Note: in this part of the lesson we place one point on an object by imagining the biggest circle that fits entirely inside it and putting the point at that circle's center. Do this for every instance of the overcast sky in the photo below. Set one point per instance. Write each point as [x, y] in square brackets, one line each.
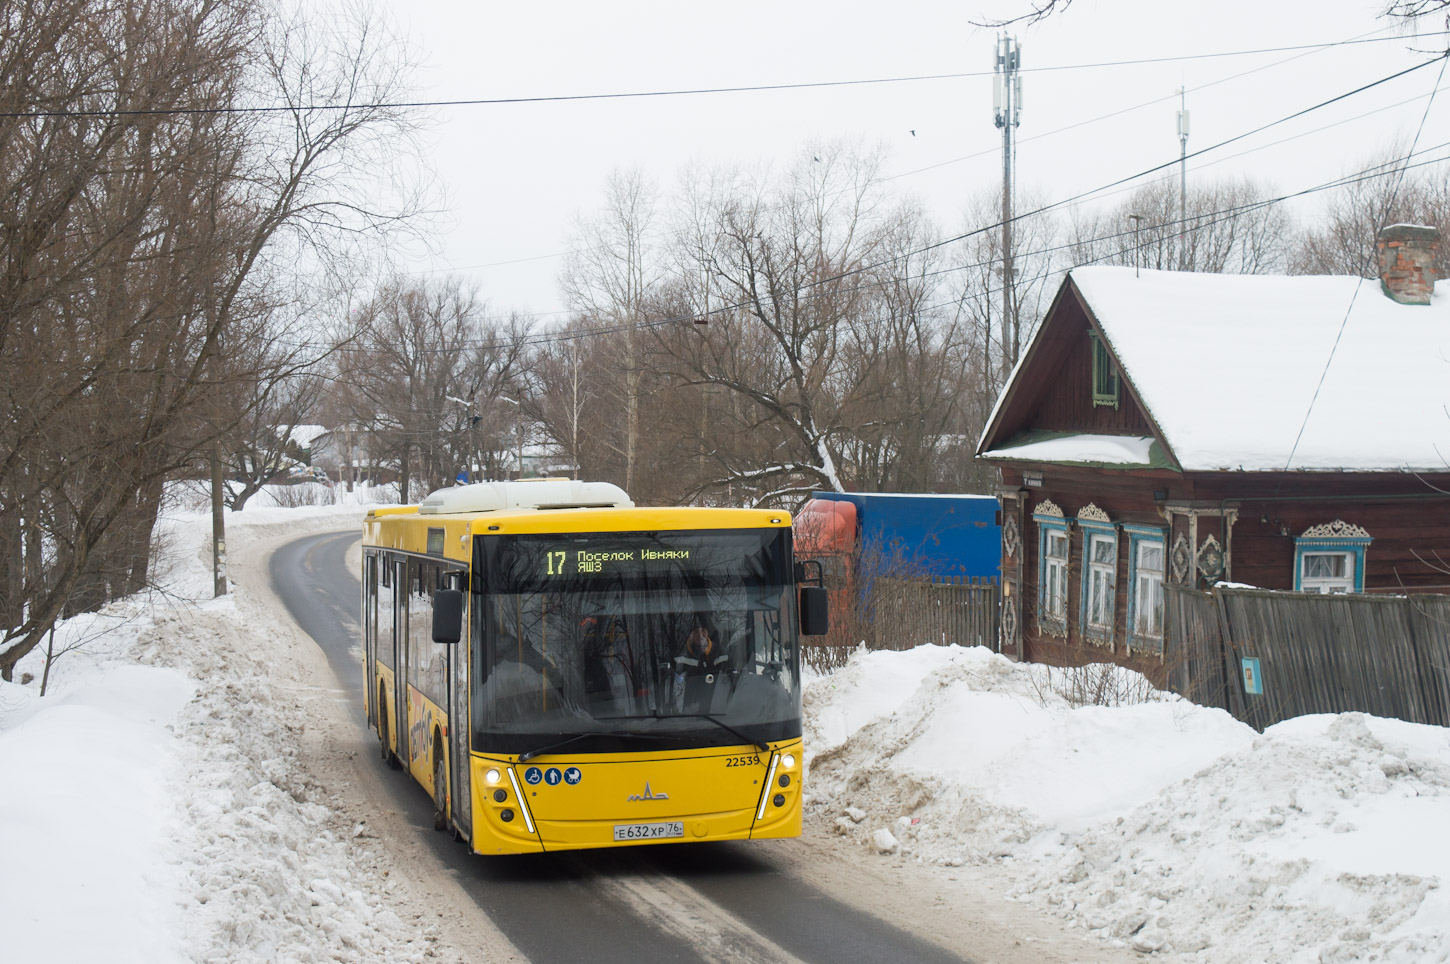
[515, 177]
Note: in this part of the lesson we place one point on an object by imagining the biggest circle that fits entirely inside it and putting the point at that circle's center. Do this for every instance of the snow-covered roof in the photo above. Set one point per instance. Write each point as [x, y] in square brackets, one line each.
[1228, 366]
[305, 435]
[1128, 451]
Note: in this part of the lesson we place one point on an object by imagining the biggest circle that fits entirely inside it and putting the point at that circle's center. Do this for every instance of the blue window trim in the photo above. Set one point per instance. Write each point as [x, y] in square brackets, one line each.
[1354, 545]
[1046, 524]
[1138, 534]
[1090, 528]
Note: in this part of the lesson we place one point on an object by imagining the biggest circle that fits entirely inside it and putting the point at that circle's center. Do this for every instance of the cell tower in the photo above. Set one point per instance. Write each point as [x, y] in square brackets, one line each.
[1007, 112]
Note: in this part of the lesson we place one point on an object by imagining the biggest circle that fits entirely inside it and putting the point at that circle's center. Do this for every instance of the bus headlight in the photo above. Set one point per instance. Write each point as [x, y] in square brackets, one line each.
[788, 761]
[492, 776]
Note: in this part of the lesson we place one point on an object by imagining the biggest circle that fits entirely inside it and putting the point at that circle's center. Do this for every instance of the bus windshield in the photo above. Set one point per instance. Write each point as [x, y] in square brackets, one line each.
[620, 641]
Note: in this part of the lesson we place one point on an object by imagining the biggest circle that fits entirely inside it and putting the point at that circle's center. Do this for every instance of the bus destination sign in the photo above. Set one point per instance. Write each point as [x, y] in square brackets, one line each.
[569, 562]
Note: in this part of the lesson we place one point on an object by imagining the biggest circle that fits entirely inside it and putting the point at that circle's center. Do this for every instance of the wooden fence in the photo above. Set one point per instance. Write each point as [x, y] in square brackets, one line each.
[1383, 655]
[908, 612]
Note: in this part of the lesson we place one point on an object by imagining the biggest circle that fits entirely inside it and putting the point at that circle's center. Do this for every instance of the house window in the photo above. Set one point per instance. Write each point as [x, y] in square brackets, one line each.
[1330, 558]
[1099, 573]
[1147, 559]
[1326, 572]
[1105, 374]
[1052, 596]
[1100, 597]
[1055, 586]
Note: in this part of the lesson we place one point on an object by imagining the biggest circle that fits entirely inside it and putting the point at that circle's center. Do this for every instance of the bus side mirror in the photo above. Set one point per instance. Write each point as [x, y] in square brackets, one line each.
[447, 616]
[815, 611]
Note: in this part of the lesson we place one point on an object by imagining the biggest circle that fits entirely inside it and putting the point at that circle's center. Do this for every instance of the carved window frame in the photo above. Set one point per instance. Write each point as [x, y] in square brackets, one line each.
[1096, 526]
[1138, 536]
[1050, 521]
[1336, 538]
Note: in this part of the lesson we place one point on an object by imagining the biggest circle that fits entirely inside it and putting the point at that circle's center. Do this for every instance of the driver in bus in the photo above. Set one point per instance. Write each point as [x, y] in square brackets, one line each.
[696, 668]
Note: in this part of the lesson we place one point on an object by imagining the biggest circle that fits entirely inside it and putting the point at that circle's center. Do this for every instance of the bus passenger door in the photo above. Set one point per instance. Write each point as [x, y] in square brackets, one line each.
[459, 722]
[400, 659]
[370, 638]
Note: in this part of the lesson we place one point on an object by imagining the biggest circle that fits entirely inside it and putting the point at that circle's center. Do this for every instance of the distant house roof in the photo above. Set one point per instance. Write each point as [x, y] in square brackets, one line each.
[1227, 367]
[305, 435]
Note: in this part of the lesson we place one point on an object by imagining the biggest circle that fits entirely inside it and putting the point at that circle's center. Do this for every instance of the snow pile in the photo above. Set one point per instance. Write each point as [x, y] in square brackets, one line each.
[86, 774]
[191, 497]
[164, 804]
[1158, 824]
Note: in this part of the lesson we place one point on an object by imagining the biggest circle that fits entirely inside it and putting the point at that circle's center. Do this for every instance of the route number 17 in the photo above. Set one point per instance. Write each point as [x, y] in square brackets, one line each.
[556, 563]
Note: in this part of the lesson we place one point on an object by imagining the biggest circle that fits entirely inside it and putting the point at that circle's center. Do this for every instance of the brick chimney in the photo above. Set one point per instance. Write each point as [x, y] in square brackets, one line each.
[1407, 262]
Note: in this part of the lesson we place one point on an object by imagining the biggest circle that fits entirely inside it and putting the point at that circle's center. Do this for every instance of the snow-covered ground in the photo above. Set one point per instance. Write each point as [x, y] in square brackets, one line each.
[154, 808]
[1159, 824]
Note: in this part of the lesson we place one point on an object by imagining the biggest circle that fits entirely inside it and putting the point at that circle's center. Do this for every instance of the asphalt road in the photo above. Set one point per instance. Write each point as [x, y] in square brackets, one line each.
[665, 903]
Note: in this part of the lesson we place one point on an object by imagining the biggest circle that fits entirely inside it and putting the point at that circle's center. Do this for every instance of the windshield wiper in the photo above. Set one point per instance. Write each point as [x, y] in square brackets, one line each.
[763, 747]
[528, 755]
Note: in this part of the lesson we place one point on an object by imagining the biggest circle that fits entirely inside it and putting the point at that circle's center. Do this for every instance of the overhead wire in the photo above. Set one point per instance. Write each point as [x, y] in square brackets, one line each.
[1105, 189]
[1308, 49]
[680, 92]
[1389, 206]
[1202, 222]
[1044, 208]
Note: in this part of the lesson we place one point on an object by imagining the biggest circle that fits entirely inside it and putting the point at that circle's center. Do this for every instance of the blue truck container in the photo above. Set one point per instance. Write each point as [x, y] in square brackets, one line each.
[935, 535]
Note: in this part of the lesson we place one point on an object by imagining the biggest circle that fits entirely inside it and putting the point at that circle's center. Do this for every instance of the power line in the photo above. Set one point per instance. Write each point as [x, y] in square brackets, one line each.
[680, 92]
[1361, 38]
[1394, 195]
[1016, 217]
[1309, 48]
[1201, 223]
[1214, 218]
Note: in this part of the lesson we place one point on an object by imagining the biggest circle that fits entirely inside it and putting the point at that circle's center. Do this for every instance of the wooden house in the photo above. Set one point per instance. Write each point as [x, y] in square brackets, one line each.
[1175, 428]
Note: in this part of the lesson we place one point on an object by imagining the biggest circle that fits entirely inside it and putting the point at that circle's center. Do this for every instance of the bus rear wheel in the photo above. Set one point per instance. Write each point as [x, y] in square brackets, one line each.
[440, 787]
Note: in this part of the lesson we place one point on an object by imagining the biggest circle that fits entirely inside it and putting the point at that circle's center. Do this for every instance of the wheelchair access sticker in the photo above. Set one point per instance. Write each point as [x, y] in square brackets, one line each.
[533, 775]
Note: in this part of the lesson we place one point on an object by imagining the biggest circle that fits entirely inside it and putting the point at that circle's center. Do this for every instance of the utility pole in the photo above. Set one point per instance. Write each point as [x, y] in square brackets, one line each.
[218, 524]
[1182, 178]
[518, 428]
[1007, 113]
[1137, 220]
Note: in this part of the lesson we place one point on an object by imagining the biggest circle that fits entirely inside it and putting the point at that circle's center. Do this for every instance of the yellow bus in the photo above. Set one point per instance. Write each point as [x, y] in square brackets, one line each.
[561, 669]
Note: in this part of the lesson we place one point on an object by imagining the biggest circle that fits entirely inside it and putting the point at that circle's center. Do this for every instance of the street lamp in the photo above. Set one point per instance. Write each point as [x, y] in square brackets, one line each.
[473, 421]
[518, 428]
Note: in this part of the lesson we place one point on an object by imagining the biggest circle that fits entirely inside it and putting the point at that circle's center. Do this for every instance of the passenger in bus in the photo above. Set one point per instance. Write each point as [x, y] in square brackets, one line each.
[609, 665]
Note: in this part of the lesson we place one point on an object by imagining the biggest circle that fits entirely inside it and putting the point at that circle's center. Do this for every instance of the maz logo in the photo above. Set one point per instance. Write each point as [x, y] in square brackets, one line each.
[648, 794]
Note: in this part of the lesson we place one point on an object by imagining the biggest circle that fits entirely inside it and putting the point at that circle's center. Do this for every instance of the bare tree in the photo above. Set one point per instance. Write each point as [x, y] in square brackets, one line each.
[998, 341]
[612, 270]
[142, 222]
[790, 264]
[262, 444]
[425, 374]
[1380, 192]
[1230, 227]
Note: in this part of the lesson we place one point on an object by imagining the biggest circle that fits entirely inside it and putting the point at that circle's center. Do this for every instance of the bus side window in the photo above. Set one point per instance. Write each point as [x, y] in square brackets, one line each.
[383, 617]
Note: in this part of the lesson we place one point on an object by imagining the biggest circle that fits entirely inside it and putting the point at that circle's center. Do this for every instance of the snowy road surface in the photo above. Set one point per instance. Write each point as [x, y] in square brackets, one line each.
[719, 902]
